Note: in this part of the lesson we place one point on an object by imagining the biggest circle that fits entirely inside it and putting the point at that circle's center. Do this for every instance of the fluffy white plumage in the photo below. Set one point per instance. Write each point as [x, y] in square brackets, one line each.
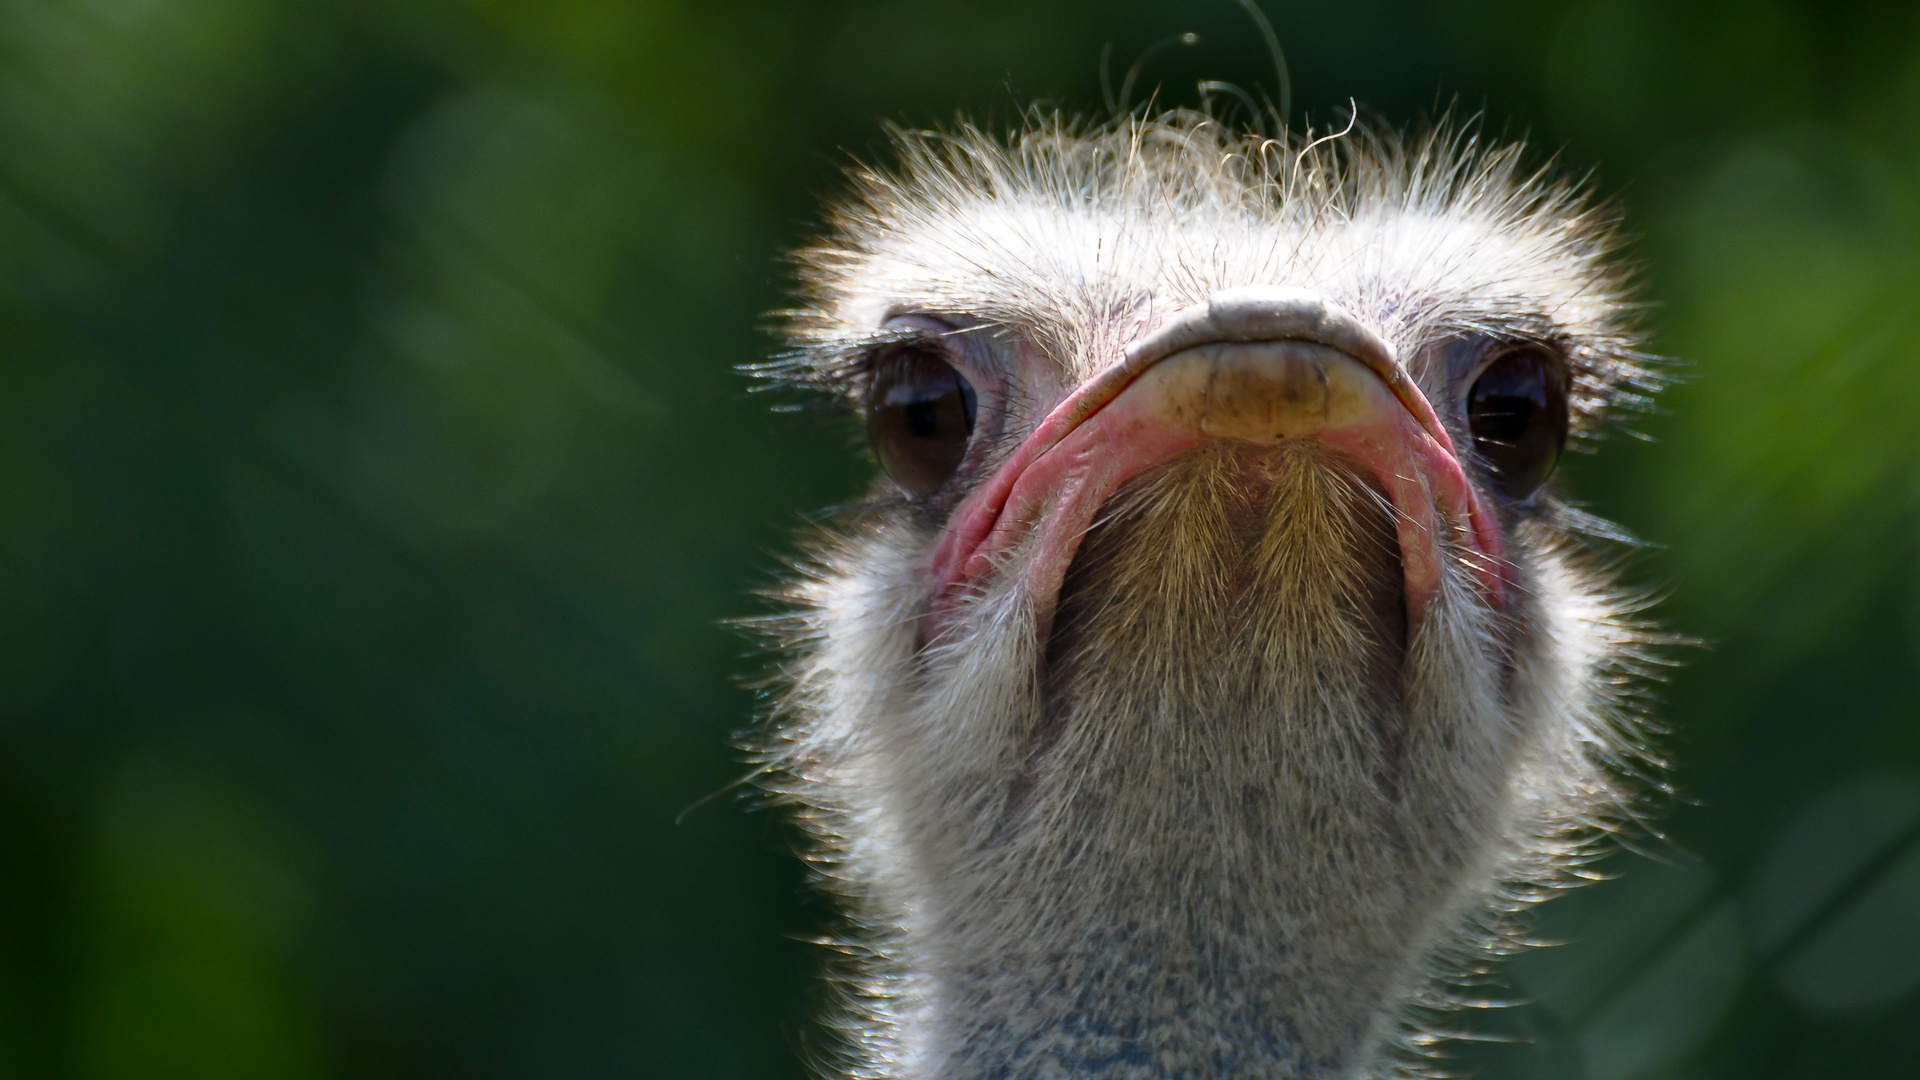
[1218, 814]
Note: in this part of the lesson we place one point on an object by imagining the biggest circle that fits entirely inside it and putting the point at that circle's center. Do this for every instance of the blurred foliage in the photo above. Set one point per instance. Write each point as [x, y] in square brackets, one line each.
[373, 481]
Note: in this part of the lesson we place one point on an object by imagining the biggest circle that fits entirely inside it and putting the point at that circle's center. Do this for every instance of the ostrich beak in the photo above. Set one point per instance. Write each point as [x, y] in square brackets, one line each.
[1256, 365]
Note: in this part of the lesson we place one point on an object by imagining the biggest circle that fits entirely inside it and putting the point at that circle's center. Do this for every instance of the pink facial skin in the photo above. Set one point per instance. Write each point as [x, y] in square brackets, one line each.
[1258, 364]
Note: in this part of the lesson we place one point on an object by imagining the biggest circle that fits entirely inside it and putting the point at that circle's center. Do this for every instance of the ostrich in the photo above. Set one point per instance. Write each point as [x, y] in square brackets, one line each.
[1211, 672]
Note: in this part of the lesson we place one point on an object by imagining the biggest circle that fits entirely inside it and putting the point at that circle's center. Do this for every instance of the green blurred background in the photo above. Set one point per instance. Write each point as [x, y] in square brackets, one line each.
[374, 480]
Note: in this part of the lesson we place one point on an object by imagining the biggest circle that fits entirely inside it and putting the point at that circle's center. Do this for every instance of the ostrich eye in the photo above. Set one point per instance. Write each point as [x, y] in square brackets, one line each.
[1517, 412]
[919, 419]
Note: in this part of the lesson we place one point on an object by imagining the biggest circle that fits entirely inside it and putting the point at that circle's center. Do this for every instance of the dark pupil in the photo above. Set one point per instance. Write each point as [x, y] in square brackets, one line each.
[923, 417]
[919, 420]
[1518, 415]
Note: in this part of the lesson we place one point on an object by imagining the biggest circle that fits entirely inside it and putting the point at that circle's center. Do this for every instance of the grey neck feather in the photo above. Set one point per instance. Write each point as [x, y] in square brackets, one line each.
[1219, 859]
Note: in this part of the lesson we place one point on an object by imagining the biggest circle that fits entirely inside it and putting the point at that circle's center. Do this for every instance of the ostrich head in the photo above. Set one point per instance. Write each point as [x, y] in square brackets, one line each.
[1209, 666]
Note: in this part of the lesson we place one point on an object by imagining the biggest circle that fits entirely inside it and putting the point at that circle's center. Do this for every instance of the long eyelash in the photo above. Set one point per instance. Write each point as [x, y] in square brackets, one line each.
[834, 372]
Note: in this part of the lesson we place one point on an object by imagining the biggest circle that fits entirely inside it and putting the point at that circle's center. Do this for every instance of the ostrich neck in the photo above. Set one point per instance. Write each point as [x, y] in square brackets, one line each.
[1235, 832]
[1217, 915]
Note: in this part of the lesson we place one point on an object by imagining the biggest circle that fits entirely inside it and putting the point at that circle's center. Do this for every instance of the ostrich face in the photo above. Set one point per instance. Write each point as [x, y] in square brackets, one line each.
[1208, 656]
